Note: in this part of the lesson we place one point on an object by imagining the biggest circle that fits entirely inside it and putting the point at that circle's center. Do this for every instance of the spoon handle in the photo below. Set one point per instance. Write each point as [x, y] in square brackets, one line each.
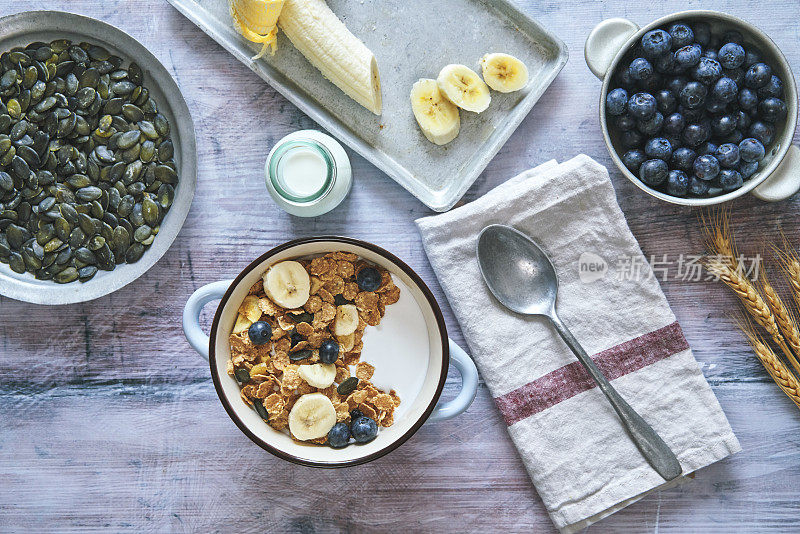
[655, 451]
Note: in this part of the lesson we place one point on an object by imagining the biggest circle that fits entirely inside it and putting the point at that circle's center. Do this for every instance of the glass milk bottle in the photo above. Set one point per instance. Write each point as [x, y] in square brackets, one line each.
[308, 173]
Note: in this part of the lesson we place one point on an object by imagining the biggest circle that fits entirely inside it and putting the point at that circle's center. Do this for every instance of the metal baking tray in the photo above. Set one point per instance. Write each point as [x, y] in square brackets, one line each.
[411, 39]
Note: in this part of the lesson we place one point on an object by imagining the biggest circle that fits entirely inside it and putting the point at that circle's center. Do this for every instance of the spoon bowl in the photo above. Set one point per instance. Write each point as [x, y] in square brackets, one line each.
[518, 273]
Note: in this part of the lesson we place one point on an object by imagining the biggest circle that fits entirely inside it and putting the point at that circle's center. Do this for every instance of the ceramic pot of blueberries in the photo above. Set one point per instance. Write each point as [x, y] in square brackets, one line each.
[697, 108]
[329, 351]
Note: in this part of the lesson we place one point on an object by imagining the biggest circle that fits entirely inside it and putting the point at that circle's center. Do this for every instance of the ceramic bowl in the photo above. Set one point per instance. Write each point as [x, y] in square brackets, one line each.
[778, 176]
[409, 349]
[23, 28]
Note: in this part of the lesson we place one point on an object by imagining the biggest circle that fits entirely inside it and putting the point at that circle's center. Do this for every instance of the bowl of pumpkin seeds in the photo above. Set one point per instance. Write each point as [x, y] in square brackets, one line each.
[97, 158]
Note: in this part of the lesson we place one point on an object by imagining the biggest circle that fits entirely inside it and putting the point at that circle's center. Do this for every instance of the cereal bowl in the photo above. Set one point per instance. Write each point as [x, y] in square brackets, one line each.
[409, 349]
[778, 175]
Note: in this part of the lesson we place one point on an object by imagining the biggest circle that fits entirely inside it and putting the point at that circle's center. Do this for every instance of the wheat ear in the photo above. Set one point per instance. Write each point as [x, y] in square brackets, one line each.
[780, 374]
[785, 320]
[790, 264]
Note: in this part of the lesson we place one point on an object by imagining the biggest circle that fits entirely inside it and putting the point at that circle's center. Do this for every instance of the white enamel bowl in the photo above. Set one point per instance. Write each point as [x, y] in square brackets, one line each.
[409, 349]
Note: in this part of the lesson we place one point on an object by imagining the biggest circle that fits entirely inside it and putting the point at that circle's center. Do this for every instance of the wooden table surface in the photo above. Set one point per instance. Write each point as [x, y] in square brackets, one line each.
[109, 420]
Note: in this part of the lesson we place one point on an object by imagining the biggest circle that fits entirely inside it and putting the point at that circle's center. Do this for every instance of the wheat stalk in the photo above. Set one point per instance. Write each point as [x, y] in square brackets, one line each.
[717, 232]
[790, 264]
[772, 363]
[785, 320]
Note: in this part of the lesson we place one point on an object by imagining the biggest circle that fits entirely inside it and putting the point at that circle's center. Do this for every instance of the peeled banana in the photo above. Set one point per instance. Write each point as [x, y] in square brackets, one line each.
[346, 320]
[287, 283]
[338, 54]
[312, 416]
[464, 88]
[504, 73]
[257, 21]
[438, 118]
[319, 375]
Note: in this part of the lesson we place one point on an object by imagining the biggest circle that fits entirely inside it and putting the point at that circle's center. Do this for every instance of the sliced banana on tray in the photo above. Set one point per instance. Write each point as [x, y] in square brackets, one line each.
[312, 416]
[287, 283]
[346, 320]
[319, 375]
[438, 118]
[504, 73]
[464, 88]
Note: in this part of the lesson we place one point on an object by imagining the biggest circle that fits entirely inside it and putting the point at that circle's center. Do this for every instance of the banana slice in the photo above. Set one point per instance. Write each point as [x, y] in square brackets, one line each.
[242, 324]
[504, 73]
[346, 320]
[319, 375]
[250, 309]
[287, 284]
[312, 416]
[438, 118]
[464, 88]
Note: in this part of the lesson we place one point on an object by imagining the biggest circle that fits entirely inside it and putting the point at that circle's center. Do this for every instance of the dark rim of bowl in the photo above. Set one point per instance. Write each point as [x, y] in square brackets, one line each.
[790, 123]
[386, 255]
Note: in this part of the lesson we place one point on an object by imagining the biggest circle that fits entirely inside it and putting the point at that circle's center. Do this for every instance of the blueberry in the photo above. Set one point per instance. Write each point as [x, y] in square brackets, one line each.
[683, 159]
[674, 124]
[747, 99]
[677, 183]
[693, 95]
[681, 34]
[702, 32]
[706, 167]
[731, 55]
[667, 64]
[732, 36]
[642, 106]
[676, 84]
[707, 71]
[656, 43]
[757, 75]
[691, 115]
[260, 332]
[699, 187]
[658, 148]
[772, 109]
[625, 123]
[328, 351]
[735, 137]
[652, 125]
[339, 436]
[751, 55]
[729, 180]
[709, 53]
[763, 131]
[688, 56]
[707, 148]
[631, 139]
[653, 172]
[364, 429]
[624, 79]
[728, 155]
[715, 107]
[666, 101]
[774, 87]
[695, 134]
[640, 69]
[751, 150]
[737, 75]
[725, 90]
[633, 159]
[742, 120]
[368, 279]
[616, 101]
[748, 168]
[651, 84]
[355, 414]
[723, 125]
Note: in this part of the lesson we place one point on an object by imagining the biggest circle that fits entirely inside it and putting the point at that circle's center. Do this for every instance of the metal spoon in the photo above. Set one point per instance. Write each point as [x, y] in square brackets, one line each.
[521, 277]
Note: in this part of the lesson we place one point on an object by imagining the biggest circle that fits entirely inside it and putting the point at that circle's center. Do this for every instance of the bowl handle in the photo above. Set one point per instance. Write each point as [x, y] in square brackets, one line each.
[605, 41]
[191, 314]
[784, 181]
[469, 386]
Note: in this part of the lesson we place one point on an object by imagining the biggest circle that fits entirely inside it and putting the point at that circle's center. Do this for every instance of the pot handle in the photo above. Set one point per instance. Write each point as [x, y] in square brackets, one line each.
[191, 314]
[605, 41]
[784, 181]
[469, 386]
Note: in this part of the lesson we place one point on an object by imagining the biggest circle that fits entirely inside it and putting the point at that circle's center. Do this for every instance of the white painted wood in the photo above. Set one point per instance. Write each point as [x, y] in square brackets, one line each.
[109, 420]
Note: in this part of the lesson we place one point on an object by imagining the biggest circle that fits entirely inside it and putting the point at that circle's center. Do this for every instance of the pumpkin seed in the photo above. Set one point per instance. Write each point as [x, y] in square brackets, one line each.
[260, 410]
[347, 386]
[300, 355]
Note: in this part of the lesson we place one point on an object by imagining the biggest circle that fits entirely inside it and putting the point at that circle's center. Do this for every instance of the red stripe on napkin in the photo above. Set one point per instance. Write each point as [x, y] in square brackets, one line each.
[568, 381]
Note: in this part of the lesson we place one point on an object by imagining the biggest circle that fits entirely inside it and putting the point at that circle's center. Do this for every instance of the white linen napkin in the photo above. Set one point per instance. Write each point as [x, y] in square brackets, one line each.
[575, 449]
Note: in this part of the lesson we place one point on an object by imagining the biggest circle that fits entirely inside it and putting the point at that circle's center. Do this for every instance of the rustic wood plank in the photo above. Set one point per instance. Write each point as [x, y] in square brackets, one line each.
[110, 422]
